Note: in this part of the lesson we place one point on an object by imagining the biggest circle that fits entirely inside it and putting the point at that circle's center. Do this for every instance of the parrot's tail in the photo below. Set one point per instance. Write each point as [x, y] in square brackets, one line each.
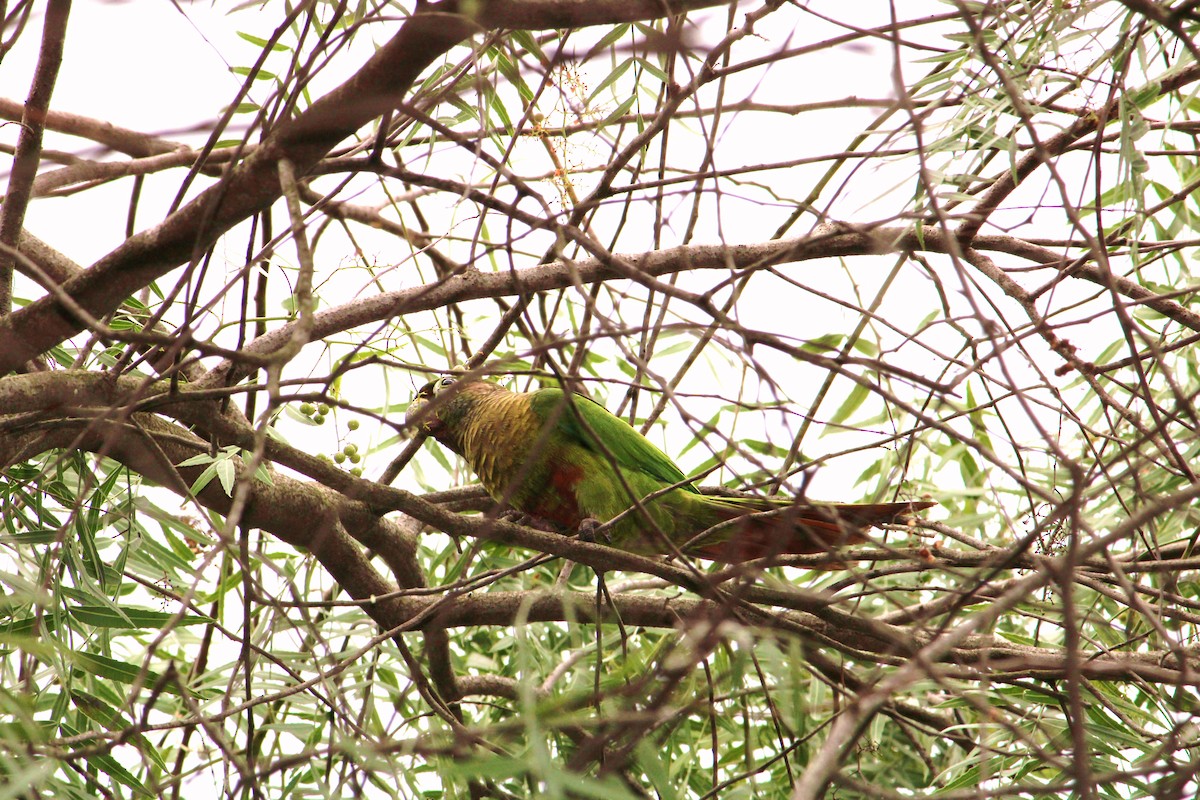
[758, 528]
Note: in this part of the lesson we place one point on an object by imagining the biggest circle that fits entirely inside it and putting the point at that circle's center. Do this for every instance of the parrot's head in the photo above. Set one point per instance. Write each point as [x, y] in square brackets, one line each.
[442, 406]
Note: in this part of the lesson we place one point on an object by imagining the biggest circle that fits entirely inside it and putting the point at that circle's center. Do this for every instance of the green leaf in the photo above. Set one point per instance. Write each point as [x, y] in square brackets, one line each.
[824, 343]
[110, 766]
[610, 79]
[654, 71]
[851, 404]
[113, 720]
[126, 617]
[620, 110]
[119, 671]
[259, 42]
[651, 763]
[32, 537]
[259, 75]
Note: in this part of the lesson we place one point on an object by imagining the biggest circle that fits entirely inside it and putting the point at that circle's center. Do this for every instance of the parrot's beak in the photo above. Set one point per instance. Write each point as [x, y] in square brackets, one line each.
[419, 416]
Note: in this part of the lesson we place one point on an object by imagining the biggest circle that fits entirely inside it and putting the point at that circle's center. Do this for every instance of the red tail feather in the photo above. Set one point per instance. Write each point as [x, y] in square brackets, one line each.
[803, 530]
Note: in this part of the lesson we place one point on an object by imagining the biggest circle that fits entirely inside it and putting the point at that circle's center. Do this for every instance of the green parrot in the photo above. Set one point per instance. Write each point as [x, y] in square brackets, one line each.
[565, 460]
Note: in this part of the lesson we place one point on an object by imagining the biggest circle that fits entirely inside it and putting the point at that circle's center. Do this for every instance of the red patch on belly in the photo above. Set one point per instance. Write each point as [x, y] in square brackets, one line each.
[556, 500]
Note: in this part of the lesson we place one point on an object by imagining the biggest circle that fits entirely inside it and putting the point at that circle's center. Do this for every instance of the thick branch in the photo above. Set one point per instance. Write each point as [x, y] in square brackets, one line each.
[253, 185]
[123, 140]
[250, 187]
[29, 143]
[547, 14]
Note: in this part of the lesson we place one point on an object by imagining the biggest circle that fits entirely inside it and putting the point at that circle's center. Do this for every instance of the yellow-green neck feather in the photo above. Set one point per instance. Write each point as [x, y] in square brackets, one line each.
[493, 429]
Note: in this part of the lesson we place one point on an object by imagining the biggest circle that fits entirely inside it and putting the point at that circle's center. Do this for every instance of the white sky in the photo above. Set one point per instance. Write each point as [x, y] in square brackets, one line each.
[147, 66]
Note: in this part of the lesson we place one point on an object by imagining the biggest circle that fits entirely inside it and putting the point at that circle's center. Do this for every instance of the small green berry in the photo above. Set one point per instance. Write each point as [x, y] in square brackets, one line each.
[307, 409]
[355, 458]
[352, 424]
[339, 457]
[350, 449]
[356, 472]
[323, 409]
[319, 419]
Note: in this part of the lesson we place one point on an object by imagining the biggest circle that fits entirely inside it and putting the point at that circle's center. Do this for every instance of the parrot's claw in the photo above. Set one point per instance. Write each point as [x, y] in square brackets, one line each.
[588, 528]
[515, 517]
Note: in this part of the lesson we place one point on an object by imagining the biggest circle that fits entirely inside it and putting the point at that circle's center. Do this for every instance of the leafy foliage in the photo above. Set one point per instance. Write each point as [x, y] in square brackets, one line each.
[807, 249]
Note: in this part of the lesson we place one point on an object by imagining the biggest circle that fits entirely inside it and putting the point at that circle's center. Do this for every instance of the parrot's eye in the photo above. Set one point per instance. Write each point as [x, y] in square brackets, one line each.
[427, 391]
[434, 388]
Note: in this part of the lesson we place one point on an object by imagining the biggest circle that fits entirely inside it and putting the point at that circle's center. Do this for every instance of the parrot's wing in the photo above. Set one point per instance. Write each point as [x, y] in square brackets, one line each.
[591, 425]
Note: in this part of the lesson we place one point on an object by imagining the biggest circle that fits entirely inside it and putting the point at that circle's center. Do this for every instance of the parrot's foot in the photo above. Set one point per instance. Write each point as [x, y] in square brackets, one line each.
[588, 531]
[515, 517]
